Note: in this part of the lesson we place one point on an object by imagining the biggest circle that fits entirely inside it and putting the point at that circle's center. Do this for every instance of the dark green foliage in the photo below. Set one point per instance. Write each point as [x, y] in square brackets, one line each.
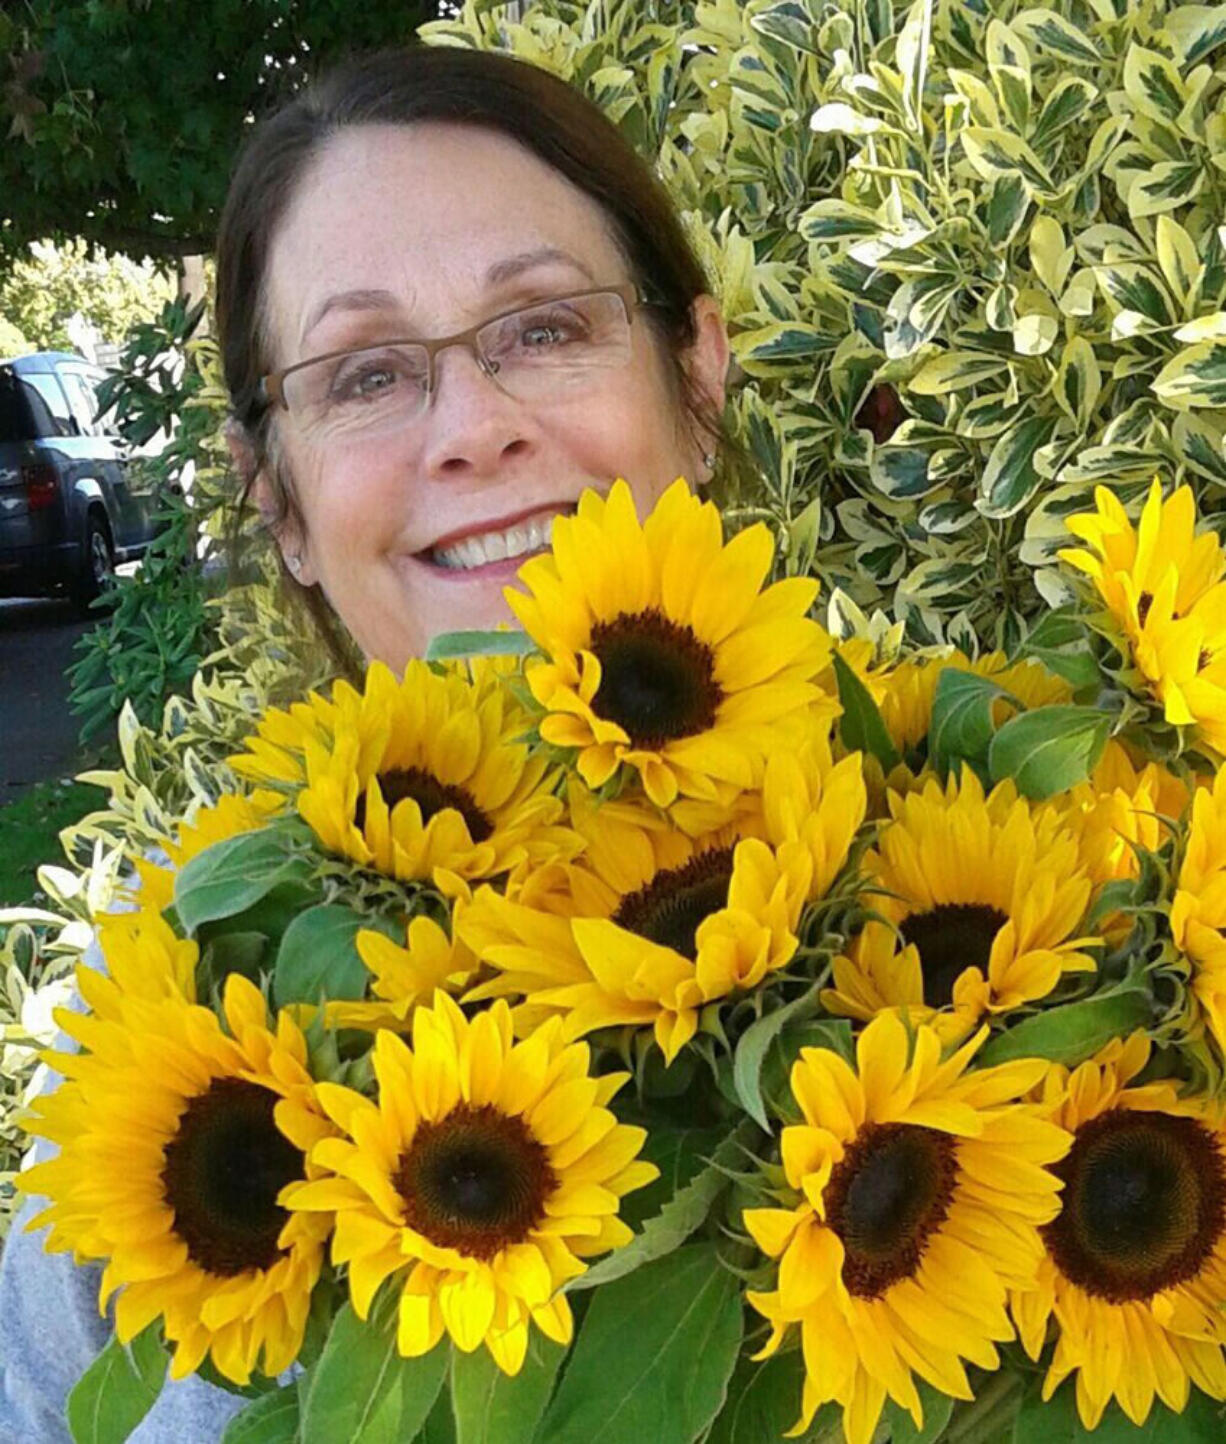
[124, 116]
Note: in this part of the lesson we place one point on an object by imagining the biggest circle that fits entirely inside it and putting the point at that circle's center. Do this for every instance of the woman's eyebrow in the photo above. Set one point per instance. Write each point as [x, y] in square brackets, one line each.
[498, 275]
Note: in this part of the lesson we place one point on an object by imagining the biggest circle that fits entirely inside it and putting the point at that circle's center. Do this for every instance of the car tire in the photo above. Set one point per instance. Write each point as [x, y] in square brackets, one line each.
[96, 570]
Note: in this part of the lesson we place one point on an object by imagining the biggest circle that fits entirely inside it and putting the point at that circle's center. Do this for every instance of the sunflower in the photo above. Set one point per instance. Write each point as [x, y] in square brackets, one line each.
[276, 753]
[653, 924]
[483, 1177]
[664, 653]
[1160, 566]
[981, 898]
[175, 1139]
[1185, 662]
[426, 778]
[1163, 589]
[1198, 912]
[1134, 1268]
[920, 1187]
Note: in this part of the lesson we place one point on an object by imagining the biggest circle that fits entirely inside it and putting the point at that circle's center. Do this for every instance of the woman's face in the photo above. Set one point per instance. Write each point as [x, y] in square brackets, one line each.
[415, 219]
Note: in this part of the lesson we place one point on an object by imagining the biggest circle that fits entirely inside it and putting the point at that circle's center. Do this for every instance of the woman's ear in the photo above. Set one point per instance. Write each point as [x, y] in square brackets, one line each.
[293, 548]
[707, 358]
[706, 365]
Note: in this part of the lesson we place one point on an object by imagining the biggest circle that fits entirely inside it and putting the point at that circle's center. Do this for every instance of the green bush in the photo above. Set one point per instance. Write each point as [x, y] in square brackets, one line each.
[972, 258]
[156, 627]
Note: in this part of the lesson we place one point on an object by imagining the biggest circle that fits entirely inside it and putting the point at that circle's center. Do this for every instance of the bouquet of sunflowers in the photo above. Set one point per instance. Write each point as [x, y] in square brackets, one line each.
[680, 1022]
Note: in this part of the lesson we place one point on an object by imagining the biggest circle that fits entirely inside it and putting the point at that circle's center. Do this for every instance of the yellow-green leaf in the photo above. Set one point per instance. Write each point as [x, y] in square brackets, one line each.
[1052, 32]
[954, 371]
[1009, 68]
[1153, 84]
[1195, 377]
[1035, 333]
[996, 153]
[838, 118]
[1204, 328]
[1049, 255]
[1180, 263]
[1196, 29]
[1168, 184]
[984, 110]
[1078, 381]
[1009, 479]
[1066, 102]
[1007, 206]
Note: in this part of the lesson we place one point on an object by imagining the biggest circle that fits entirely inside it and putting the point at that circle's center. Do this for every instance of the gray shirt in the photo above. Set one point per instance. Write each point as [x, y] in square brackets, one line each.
[51, 1331]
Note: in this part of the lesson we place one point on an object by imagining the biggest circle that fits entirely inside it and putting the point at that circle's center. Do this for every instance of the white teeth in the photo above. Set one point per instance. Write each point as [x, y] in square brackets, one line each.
[496, 546]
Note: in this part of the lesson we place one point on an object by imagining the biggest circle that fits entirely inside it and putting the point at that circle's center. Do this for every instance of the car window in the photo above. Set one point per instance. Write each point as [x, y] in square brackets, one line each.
[84, 402]
[18, 420]
[46, 411]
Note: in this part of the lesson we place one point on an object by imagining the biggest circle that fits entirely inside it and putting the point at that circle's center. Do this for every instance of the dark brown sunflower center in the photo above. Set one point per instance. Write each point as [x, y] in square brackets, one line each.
[657, 680]
[430, 795]
[1144, 1204]
[224, 1168]
[670, 908]
[476, 1181]
[951, 937]
[885, 1199]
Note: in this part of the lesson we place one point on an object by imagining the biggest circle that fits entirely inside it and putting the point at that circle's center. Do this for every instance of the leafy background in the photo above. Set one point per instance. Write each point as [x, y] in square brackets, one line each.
[973, 262]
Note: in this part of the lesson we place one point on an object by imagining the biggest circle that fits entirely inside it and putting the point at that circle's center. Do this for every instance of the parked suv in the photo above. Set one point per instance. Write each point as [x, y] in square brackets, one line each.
[67, 512]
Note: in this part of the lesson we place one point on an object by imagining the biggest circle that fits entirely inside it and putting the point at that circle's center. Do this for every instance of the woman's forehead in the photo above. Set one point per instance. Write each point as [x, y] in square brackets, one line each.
[436, 217]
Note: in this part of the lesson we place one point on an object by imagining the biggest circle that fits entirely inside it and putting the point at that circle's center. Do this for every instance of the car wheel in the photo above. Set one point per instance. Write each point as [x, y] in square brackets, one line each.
[97, 566]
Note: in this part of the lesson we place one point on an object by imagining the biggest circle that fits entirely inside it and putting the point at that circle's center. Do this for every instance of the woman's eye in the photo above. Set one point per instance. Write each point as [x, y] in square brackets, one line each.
[372, 378]
[544, 332]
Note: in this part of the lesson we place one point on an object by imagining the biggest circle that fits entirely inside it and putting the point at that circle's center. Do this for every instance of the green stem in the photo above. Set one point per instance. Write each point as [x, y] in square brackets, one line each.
[996, 1402]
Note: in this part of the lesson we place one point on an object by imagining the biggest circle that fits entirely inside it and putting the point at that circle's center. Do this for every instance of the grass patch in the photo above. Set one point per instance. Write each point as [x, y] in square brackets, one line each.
[29, 829]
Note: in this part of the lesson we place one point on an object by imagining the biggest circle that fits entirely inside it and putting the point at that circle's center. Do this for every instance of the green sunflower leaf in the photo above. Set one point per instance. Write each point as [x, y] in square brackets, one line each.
[118, 1389]
[271, 1419]
[752, 1049]
[449, 646]
[1203, 1421]
[937, 1410]
[1049, 749]
[686, 1210]
[1072, 1032]
[318, 957]
[962, 724]
[654, 1355]
[362, 1390]
[763, 1400]
[490, 1407]
[861, 726]
[235, 874]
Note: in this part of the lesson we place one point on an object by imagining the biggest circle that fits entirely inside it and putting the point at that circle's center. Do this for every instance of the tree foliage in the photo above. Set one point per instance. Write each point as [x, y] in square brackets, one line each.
[41, 291]
[125, 115]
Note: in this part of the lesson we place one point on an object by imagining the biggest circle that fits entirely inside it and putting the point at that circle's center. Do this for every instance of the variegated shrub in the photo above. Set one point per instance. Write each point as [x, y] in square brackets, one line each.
[972, 256]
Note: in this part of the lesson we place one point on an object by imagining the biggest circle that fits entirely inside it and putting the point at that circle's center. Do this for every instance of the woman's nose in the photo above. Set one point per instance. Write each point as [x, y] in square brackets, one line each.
[470, 423]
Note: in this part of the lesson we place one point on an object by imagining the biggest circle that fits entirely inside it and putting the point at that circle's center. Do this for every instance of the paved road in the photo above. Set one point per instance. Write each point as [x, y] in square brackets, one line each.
[38, 734]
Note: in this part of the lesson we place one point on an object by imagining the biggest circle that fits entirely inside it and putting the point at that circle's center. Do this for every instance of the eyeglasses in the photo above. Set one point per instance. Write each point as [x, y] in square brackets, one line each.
[531, 354]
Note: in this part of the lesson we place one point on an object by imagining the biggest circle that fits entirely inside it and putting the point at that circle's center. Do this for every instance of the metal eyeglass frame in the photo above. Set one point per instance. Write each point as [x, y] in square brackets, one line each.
[272, 386]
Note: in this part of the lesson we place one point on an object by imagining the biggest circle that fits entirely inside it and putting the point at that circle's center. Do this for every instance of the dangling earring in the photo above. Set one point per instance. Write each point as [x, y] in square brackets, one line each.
[294, 563]
[708, 460]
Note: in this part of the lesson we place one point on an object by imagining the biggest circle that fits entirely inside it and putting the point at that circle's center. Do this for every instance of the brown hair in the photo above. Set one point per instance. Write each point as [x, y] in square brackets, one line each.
[402, 87]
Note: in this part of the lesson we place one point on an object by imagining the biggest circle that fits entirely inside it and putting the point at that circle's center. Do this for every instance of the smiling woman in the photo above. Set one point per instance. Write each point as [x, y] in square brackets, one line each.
[450, 298]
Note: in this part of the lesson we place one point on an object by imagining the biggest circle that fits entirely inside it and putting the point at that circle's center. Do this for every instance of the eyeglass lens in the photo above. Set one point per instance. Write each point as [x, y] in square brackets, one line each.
[532, 354]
